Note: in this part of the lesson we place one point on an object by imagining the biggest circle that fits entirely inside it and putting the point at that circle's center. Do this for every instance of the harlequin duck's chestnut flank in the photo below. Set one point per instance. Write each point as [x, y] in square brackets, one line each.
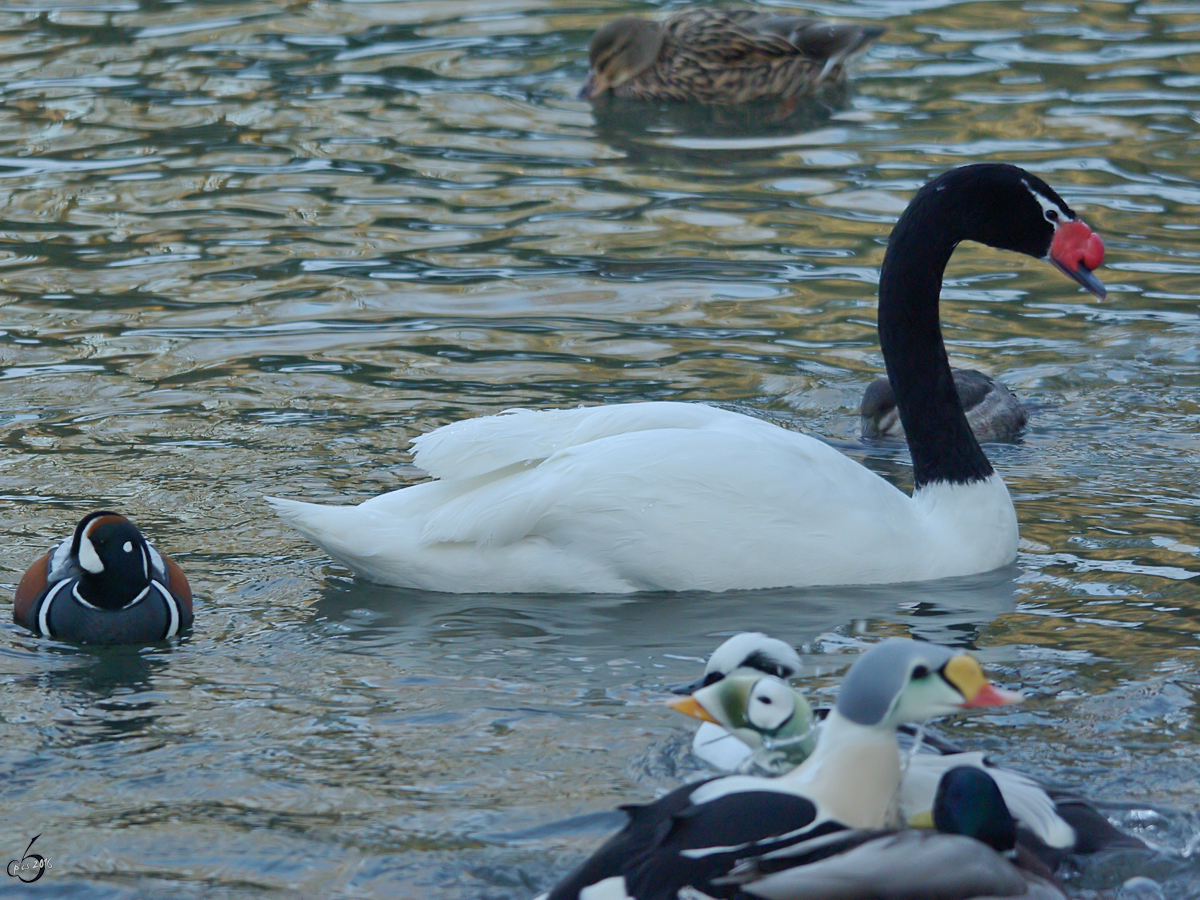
[106, 584]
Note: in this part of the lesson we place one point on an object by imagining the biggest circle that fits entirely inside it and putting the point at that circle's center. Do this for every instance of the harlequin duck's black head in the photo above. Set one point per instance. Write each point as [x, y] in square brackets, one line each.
[114, 560]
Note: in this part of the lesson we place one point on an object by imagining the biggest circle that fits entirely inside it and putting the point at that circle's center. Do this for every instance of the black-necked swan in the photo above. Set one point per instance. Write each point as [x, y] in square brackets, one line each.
[993, 411]
[670, 496]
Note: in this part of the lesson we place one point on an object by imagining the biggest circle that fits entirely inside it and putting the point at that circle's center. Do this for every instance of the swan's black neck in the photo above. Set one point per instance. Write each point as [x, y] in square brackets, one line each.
[942, 444]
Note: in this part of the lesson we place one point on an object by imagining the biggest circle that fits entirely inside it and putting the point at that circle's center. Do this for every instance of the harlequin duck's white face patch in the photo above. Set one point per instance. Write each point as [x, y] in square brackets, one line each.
[89, 556]
[89, 559]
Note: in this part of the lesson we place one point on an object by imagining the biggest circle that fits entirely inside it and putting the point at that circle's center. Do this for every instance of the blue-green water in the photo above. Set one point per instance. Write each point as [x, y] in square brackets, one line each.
[256, 247]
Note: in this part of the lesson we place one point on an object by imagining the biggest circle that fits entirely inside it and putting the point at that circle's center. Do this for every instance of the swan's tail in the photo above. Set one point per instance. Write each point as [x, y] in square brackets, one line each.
[387, 549]
[375, 546]
[332, 528]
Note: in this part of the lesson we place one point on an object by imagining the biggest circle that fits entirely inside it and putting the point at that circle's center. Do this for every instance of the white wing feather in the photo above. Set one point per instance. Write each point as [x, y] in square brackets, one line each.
[652, 496]
[475, 447]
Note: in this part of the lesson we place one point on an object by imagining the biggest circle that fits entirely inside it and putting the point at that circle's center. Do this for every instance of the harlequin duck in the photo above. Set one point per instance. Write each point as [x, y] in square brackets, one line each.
[106, 584]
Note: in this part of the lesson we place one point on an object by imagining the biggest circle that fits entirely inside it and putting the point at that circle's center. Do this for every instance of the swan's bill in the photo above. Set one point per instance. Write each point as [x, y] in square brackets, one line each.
[1075, 251]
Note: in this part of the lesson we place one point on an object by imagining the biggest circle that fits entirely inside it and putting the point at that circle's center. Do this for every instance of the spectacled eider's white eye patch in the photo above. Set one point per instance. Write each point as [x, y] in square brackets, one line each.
[771, 705]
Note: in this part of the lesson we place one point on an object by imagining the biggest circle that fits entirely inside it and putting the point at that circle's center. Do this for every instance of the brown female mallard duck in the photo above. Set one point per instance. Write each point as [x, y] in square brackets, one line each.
[720, 56]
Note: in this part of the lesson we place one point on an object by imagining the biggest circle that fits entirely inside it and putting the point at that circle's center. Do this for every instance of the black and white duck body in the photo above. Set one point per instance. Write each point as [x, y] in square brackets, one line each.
[746, 653]
[685, 843]
[667, 496]
[973, 855]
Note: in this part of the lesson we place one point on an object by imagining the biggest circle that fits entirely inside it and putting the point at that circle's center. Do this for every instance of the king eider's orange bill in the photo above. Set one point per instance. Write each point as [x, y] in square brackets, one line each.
[965, 674]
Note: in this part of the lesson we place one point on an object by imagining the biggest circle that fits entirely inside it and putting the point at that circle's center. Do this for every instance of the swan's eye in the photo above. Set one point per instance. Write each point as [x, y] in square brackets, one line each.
[1052, 216]
[920, 672]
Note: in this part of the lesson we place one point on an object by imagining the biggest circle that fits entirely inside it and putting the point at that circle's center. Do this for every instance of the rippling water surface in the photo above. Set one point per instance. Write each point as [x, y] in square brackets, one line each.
[256, 247]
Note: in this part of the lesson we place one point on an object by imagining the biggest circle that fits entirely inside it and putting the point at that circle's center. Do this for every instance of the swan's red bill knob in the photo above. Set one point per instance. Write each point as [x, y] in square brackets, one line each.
[1075, 251]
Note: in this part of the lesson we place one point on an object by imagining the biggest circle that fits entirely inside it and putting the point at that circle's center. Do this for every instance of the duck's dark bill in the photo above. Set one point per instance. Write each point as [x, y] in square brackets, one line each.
[1083, 276]
[689, 688]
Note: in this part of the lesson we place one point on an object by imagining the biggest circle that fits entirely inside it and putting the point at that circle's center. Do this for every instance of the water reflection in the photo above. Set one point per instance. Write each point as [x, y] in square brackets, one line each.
[101, 672]
[627, 124]
[392, 620]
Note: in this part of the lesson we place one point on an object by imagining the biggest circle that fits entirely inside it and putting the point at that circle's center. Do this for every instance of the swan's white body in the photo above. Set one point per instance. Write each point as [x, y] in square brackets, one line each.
[653, 496]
